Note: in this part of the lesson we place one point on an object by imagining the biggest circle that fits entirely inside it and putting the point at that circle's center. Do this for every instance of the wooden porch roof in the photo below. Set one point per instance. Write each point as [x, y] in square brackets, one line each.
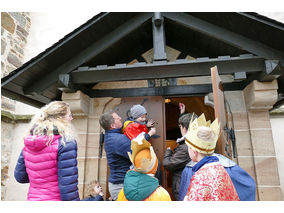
[101, 48]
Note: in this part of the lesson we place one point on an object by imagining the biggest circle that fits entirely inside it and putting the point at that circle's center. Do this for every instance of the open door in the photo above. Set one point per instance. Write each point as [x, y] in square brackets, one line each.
[224, 144]
[192, 104]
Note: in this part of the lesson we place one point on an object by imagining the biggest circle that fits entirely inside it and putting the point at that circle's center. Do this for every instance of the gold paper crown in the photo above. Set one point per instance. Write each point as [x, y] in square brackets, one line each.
[138, 144]
[193, 139]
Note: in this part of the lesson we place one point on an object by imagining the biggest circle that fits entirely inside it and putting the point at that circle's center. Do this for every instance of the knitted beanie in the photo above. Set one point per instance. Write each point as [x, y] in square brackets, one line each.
[137, 111]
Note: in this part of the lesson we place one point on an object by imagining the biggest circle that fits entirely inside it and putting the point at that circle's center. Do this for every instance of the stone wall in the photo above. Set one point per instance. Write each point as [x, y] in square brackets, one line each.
[15, 28]
[6, 147]
[11, 189]
[277, 123]
[13, 128]
[254, 141]
[14, 32]
[259, 155]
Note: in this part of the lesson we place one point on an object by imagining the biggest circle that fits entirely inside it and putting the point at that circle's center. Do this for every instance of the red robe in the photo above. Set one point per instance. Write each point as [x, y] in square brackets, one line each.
[211, 183]
[133, 129]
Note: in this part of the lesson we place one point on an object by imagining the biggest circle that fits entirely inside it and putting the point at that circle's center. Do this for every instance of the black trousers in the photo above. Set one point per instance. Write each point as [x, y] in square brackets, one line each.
[159, 174]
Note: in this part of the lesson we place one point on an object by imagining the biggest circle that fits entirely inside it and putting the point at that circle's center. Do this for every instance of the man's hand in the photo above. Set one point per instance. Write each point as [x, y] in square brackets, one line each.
[181, 108]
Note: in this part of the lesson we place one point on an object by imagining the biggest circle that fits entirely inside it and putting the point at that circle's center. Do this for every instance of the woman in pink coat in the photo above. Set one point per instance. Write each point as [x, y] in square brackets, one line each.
[48, 160]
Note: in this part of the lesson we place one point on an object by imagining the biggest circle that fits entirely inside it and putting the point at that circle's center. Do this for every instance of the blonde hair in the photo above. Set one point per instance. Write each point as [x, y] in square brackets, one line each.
[53, 117]
[90, 188]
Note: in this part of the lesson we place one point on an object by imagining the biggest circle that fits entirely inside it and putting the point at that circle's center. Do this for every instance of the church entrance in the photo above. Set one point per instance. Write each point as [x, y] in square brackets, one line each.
[165, 111]
[172, 132]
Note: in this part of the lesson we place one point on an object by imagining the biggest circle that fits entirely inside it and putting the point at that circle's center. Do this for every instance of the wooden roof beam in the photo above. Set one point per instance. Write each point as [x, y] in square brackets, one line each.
[226, 36]
[187, 90]
[22, 98]
[163, 69]
[95, 49]
[159, 41]
[65, 84]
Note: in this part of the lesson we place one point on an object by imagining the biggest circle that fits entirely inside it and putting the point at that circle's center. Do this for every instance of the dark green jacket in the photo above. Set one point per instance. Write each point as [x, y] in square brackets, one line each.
[138, 186]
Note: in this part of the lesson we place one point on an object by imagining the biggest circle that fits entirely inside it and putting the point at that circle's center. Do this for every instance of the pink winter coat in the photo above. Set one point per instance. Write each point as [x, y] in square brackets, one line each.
[50, 167]
[41, 166]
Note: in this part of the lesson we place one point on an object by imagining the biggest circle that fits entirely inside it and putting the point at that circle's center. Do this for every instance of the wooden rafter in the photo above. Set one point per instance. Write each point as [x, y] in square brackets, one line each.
[95, 49]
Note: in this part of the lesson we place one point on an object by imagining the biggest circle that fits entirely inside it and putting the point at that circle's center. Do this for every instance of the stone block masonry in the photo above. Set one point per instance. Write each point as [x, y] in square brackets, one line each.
[13, 128]
[15, 27]
[259, 98]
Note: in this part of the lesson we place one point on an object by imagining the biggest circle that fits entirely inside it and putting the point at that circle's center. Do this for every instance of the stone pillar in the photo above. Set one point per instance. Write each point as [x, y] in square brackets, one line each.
[86, 113]
[79, 105]
[259, 98]
[97, 168]
[238, 120]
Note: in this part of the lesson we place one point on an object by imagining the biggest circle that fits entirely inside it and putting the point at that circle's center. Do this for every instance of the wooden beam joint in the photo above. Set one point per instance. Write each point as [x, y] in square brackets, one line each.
[159, 41]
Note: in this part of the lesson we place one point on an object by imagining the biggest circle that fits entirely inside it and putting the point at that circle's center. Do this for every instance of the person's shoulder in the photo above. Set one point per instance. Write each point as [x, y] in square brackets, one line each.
[114, 133]
[190, 164]
[182, 147]
[67, 143]
[119, 138]
[224, 161]
[210, 169]
[181, 150]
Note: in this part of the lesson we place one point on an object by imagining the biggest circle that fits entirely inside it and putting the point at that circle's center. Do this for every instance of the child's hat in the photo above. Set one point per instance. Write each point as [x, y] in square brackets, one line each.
[202, 136]
[143, 156]
[137, 110]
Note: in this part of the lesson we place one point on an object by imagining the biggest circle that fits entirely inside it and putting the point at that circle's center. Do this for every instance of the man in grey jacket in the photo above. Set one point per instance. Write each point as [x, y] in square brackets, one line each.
[175, 161]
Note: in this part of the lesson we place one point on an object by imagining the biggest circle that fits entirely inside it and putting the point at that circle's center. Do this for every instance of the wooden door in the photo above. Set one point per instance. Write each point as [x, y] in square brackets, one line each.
[223, 144]
[156, 111]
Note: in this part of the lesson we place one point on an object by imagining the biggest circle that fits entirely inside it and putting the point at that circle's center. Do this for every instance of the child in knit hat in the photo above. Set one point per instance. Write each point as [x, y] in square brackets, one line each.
[137, 123]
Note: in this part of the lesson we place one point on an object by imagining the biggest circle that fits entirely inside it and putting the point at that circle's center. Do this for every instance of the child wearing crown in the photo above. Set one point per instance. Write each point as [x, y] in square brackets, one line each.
[140, 183]
[210, 181]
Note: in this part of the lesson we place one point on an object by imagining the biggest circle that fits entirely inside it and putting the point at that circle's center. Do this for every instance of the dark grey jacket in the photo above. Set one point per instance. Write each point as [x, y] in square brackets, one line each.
[175, 161]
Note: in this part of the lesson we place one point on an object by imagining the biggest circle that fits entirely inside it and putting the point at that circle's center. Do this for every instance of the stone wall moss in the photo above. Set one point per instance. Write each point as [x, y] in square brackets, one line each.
[14, 118]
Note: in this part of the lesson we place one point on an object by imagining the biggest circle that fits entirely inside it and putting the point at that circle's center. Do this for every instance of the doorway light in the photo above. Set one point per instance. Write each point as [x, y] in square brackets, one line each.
[167, 100]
